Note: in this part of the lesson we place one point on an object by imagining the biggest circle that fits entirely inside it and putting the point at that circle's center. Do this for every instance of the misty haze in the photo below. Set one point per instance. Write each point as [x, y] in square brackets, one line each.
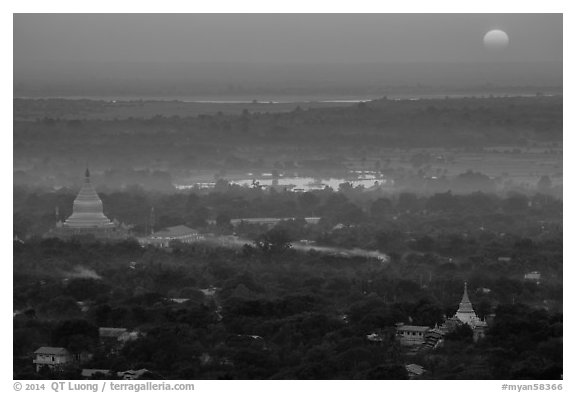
[288, 196]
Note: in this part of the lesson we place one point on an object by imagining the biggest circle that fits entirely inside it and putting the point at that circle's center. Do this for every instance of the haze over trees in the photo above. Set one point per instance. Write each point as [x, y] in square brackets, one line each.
[282, 310]
[428, 145]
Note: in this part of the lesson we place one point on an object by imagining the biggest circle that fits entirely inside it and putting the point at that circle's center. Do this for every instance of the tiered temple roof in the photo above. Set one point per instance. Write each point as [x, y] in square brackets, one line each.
[87, 211]
[466, 312]
[88, 218]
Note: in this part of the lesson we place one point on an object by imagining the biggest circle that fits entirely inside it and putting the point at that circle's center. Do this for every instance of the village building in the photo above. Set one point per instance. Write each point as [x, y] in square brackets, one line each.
[270, 221]
[414, 370]
[58, 358]
[375, 338]
[533, 277]
[115, 338]
[411, 335]
[91, 373]
[178, 300]
[433, 338]
[132, 374]
[244, 340]
[180, 233]
[55, 358]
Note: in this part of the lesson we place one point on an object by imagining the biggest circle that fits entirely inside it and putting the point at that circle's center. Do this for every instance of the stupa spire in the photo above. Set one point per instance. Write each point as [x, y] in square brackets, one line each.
[465, 298]
[87, 211]
[465, 311]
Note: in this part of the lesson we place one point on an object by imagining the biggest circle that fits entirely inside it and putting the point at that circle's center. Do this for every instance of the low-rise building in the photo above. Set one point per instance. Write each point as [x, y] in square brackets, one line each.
[93, 373]
[110, 333]
[55, 358]
[533, 276]
[132, 374]
[115, 338]
[178, 300]
[414, 370]
[181, 233]
[410, 334]
[270, 221]
[433, 338]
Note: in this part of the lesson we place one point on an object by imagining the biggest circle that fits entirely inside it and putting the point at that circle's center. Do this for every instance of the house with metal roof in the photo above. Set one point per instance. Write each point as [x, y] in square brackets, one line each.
[54, 358]
[414, 370]
[410, 334]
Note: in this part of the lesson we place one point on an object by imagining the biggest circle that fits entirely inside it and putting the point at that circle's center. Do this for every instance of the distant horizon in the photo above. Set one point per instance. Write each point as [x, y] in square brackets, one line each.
[328, 79]
[174, 54]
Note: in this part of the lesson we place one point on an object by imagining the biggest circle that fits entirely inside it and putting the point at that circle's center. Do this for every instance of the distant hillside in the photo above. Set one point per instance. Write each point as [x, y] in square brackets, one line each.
[211, 141]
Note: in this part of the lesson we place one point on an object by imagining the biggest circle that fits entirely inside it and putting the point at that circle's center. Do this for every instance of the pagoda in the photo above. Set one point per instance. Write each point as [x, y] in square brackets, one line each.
[87, 211]
[88, 217]
[465, 311]
[466, 315]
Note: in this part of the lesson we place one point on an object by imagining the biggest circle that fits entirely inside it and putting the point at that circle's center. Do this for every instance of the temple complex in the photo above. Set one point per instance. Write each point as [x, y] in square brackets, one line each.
[88, 218]
[424, 337]
[466, 315]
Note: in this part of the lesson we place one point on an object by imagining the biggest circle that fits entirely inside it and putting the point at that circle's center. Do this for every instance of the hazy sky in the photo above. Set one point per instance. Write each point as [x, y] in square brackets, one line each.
[280, 38]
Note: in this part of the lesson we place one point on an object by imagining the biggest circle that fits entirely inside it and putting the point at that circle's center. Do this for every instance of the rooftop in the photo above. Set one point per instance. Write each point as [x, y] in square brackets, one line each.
[51, 351]
[413, 328]
[90, 372]
[178, 230]
[415, 369]
[111, 332]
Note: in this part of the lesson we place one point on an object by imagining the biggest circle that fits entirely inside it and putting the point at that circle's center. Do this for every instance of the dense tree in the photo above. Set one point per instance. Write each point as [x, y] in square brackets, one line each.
[308, 314]
[275, 241]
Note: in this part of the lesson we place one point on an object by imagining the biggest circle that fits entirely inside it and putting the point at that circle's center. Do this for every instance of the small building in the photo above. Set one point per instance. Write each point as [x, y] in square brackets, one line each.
[115, 338]
[178, 300]
[375, 338]
[410, 334]
[533, 277]
[83, 306]
[433, 338]
[54, 358]
[205, 359]
[414, 370]
[246, 340]
[94, 372]
[110, 333]
[210, 291]
[270, 221]
[180, 233]
[132, 374]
